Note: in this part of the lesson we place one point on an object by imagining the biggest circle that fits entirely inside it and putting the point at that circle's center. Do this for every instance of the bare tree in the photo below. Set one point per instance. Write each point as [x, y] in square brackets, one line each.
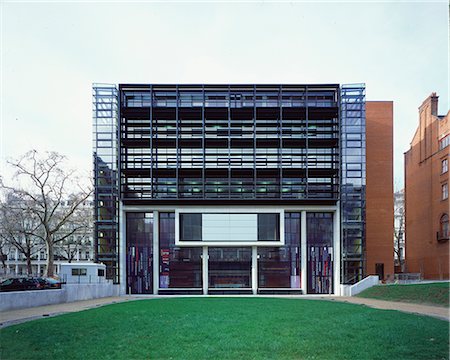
[399, 230]
[52, 194]
[5, 249]
[69, 249]
[70, 246]
[18, 226]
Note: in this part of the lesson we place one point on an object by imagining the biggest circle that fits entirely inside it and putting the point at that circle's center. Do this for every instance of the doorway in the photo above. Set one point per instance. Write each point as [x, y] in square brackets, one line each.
[230, 268]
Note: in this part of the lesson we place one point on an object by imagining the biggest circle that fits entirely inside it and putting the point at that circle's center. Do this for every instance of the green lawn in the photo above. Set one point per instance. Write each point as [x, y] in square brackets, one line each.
[432, 293]
[228, 328]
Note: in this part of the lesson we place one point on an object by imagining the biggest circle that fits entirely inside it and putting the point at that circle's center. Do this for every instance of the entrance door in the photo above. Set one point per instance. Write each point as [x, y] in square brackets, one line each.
[379, 270]
[230, 268]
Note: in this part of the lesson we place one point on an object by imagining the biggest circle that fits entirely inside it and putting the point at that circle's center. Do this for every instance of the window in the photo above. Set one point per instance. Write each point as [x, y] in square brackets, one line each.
[178, 267]
[443, 228]
[356, 144]
[79, 272]
[100, 272]
[444, 142]
[139, 229]
[444, 166]
[191, 227]
[279, 267]
[444, 191]
[319, 228]
[268, 227]
[354, 174]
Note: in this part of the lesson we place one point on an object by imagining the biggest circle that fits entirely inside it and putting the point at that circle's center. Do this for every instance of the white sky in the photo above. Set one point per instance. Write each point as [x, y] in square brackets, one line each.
[52, 52]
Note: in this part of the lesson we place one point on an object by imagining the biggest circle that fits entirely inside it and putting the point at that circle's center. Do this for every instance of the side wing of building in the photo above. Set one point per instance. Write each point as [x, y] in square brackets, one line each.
[426, 194]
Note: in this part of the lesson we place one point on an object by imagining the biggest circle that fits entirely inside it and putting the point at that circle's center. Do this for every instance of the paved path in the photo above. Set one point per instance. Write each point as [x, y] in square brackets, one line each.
[434, 311]
[17, 316]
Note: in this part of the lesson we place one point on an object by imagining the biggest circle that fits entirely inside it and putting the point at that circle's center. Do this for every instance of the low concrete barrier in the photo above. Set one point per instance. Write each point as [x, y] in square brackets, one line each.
[69, 292]
[367, 282]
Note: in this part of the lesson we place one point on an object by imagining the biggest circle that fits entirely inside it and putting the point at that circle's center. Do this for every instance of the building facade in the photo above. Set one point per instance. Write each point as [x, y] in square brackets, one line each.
[16, 264]
[77, 247]
[426, 194]
[209, 189]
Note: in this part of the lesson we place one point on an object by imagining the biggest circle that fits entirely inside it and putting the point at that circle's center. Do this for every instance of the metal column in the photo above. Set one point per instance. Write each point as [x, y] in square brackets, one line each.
[303, 252]
[155, 252]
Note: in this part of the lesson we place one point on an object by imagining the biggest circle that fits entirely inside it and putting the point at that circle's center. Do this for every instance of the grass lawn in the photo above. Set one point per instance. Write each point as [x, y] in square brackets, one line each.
[431, 294]
[228, 328]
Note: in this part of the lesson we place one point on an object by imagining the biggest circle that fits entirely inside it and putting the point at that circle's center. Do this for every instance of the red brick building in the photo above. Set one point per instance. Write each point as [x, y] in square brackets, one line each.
[379, 189]
[426, 194]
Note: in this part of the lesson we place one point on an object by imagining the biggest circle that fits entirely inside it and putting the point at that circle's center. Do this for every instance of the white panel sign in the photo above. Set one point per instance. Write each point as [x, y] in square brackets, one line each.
[230, 227]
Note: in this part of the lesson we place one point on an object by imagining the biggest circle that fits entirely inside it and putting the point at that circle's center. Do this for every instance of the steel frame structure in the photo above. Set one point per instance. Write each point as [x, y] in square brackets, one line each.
[230, 144]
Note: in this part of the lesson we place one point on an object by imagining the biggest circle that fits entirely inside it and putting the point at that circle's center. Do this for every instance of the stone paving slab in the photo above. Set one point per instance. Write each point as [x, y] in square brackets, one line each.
[8, 318]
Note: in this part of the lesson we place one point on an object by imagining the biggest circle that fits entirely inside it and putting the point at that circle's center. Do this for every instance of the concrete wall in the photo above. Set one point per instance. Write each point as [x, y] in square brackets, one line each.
[70, 292]
[352, 290]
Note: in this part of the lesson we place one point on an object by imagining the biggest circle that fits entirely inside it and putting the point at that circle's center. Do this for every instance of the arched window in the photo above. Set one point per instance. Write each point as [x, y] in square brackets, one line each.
[443, 227]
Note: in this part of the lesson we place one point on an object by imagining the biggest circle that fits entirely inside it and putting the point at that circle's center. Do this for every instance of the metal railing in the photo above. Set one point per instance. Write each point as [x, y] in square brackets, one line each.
[83, 279]
[406, 278]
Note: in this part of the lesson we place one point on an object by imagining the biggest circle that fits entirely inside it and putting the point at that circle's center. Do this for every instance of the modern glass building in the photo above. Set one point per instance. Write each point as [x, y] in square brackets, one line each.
[211, 189]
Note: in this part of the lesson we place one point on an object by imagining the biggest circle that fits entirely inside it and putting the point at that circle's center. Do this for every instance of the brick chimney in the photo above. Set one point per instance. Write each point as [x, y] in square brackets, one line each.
[434, 103]
[431, 102]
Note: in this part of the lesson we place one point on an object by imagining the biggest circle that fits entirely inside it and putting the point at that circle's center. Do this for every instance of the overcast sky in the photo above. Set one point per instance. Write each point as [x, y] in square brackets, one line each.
[52, 52]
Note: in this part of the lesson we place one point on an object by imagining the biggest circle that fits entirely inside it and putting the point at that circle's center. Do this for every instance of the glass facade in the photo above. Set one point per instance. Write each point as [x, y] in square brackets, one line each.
[190, 227]
[106, 178]
[229, 142]
[279, 267]
[139, 230]
[230, 267]
[319, 242]
[179, 267]
[268, 227]
[353, 182]
[185, 145]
